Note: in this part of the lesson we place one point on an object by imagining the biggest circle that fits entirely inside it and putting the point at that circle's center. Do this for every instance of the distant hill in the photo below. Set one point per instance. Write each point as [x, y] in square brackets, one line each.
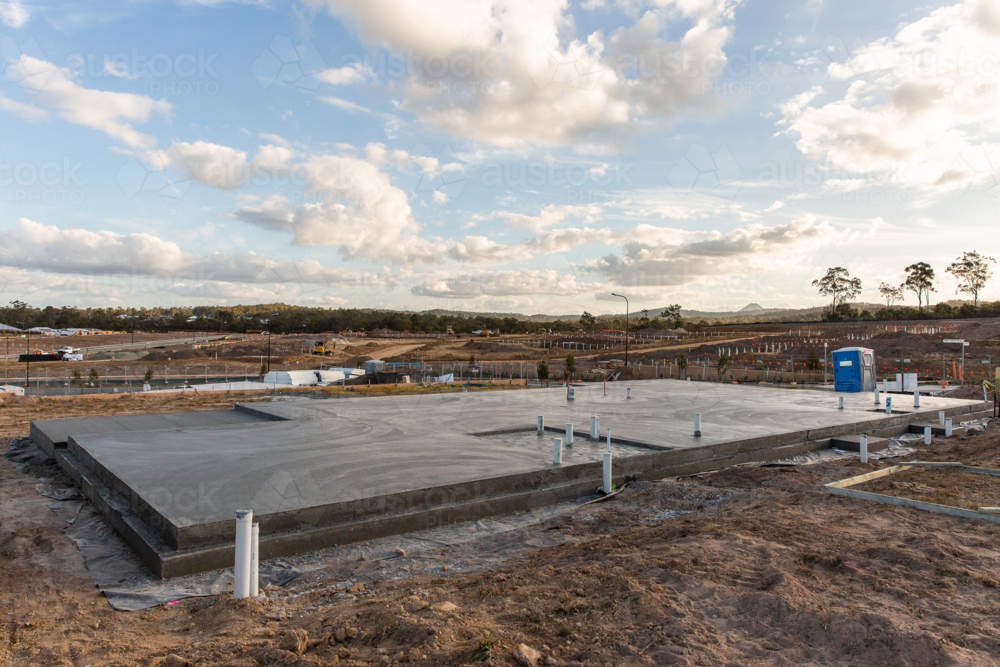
[750, 307]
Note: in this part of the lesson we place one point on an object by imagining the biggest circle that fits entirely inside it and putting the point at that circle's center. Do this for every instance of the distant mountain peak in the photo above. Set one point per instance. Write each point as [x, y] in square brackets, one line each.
[750, 307]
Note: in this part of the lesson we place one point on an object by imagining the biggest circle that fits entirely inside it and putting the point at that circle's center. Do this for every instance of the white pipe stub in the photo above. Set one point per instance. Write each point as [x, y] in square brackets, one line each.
[595, 431]
[697, 424]
[947, 427]
[244, 542]
[569, 435]
[557, 451]
[841, 402]
[863, 447]
[541, 424]
[940, 417]
[255, 560]
[927, 435]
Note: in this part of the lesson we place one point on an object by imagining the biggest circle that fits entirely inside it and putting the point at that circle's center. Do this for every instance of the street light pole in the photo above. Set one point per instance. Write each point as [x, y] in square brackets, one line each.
[626, 325]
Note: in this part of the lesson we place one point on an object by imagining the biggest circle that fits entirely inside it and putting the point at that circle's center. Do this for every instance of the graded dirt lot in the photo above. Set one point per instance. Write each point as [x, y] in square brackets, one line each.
[746, 566]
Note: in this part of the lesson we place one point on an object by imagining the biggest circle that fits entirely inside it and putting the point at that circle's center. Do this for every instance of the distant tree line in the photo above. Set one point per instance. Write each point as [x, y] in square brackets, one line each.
[972, 270]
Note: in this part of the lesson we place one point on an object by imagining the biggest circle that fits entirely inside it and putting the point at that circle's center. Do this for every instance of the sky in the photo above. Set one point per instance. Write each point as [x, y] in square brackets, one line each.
[531, 156]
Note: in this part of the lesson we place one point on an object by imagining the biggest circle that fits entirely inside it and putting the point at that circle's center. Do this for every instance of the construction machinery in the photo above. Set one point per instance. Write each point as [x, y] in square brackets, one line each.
[324, 348]
[450, 332]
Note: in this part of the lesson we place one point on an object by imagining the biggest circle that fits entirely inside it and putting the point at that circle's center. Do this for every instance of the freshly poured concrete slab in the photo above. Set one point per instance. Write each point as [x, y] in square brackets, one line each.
[53, 434]
[339, 470]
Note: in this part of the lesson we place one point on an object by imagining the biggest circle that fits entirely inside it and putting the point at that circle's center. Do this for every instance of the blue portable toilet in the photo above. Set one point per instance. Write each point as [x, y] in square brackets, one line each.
[854, 369]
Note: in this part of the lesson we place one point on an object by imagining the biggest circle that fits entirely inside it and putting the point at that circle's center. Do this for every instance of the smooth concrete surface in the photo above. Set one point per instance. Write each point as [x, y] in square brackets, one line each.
[337, 470]
[51, 434]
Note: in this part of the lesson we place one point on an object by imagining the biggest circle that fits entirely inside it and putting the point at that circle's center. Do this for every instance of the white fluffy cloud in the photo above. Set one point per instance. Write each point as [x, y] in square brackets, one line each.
[660, 256]
[113, 113]
[508, 71]
[13, 13]
[227, 168]
[502, 284]
[32, 246]
[922, 108]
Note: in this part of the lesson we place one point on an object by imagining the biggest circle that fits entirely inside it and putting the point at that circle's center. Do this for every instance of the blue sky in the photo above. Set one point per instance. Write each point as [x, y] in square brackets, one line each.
[491, 156]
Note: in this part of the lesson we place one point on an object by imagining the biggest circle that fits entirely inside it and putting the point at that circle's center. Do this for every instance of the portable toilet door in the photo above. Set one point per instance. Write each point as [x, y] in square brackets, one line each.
[854, 369]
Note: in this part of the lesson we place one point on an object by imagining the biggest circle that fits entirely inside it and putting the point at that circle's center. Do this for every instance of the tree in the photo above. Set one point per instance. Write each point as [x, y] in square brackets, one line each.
[587, 321]
[682, 362]
[671, 312]
[973, 270]
[77, 378]
[722, 363]
[570, 364]
[148, 376]
[838, 283]
[543, 371]
[472, 358]
[812, 363]
[920, 279]
[94, 375]
[890, 294]
[263, 367]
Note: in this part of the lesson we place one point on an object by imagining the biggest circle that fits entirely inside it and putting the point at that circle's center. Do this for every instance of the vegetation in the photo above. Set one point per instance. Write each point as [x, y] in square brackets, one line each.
[838, 284]
[920, 279]
[570, 365]
[890, 294]
[722, 363]
[148, 376]
[973, 270]
[543, 371]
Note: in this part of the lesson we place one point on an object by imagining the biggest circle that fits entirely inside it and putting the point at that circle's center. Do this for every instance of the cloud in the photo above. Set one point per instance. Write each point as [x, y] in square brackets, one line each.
[511, 71]
[660, 256]
[501, 284]
[344, 76]
[915, 106]
[550, 216]
[358, 209]
[26, 111]
[112, 113]
[33, 246]
[344, 104]
[14, 14]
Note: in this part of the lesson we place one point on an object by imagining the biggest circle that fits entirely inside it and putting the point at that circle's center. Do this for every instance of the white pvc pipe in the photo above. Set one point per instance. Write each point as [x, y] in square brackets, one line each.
[628, 392]
[541, 424]
[254, 560]
[569, 434]
[940, 417]
[888, 405]
[885, 386]
[863, 448]
[878, 396]
[241, 570]
[697, 424]
[594, 429]
[841, 400]
[609, 439]
[916, 398]
[557, 451]
[927, 435]
[607, 472]
[947, 427]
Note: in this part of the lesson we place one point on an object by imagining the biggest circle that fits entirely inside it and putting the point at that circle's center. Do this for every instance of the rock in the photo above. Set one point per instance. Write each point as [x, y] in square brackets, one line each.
[340, 634]
[550, 660]
[399, 657]
[401, 551]
[527, 656]
[295, 641]
[415, 604]
[414, 655]
[444, 607]
[357, 588]
[174, 660]
[352, 632]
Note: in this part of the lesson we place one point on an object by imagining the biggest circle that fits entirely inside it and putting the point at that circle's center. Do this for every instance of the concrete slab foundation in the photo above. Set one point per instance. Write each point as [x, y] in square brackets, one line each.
[323, 472]
[852, 443]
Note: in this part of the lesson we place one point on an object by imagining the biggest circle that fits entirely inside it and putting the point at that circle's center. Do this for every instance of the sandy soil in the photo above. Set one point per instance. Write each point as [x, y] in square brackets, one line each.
[746, 566]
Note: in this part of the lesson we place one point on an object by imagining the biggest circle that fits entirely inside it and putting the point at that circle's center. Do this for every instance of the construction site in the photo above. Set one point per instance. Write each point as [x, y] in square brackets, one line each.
[721, 497]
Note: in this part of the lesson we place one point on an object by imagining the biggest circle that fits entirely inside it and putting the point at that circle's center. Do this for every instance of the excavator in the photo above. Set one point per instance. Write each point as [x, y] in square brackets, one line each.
[327, 348]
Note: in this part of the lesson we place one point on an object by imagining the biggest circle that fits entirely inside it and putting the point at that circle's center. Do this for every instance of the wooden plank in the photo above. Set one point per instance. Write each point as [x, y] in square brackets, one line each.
[868, 476]
[915, 504]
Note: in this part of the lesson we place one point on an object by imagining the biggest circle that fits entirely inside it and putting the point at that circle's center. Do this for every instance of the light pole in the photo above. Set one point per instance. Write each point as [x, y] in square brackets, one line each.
[626, 325]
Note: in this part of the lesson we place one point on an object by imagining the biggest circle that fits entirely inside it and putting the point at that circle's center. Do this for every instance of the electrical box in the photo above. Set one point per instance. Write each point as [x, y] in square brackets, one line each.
[854, 369]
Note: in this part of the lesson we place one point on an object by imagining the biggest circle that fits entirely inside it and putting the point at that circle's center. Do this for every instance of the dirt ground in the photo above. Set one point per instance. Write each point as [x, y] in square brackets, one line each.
[745, 566]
